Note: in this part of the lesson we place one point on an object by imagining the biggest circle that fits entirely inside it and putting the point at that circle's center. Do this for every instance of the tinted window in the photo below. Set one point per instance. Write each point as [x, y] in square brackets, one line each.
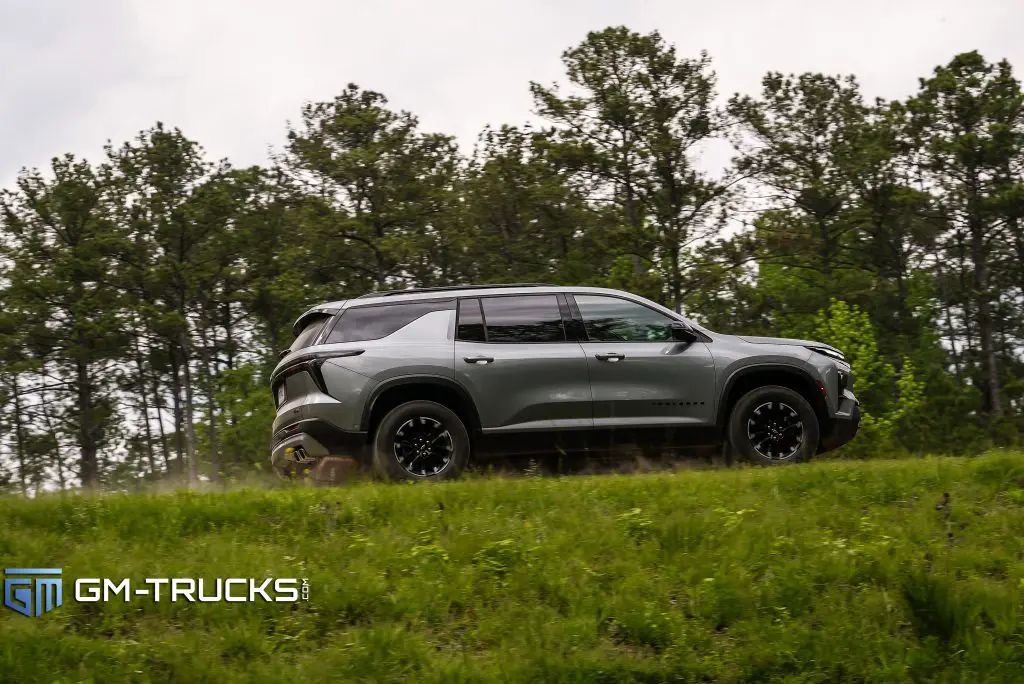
[374, 322]
[471, 323]
[313, 327]
[609, 319]
[531, 318]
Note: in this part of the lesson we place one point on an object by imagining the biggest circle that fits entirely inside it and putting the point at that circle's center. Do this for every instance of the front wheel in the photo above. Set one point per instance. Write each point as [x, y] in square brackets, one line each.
[773, 425]
[420, 440]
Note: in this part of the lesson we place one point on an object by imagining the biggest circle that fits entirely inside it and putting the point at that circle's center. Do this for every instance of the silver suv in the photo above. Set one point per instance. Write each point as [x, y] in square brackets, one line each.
[418, 382]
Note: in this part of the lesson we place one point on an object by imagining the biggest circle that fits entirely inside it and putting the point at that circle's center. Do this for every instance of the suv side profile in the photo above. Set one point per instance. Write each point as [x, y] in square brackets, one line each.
[418, 382]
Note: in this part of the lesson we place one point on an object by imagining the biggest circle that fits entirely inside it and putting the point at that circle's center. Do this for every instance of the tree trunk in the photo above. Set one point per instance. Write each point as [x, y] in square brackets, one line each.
[58, 459]
[675, 277]
[190, 430]
[229, 338]
[633, 216]
[19, 436]
[87, 428]
[144, 397]
[966, 298]
[948, 318]
[179, 446]
[229, 344]
[159, 402]
[982, 295]
[208, 378]
[985, 332]
[826, 262]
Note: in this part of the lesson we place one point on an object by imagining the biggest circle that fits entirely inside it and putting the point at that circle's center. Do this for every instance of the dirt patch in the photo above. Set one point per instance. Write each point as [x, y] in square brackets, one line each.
[336, 470]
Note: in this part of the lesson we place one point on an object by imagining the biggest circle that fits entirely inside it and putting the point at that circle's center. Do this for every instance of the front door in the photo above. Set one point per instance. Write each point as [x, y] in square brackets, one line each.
[640, 377]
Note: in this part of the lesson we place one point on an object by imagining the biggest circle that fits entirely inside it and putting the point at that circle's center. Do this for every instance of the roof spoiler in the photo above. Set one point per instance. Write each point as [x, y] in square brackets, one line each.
[302, 320]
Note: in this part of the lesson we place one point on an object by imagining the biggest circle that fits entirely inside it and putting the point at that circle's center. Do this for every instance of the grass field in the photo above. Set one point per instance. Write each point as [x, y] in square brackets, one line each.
[828, 572]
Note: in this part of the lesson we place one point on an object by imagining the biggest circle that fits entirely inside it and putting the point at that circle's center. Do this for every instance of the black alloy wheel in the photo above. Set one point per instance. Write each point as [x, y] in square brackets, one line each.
[420, 440]
[775, 430]
[773, 425]
[423, 446]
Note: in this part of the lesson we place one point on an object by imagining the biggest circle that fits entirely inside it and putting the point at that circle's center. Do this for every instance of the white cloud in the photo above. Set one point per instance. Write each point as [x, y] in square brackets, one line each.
[231, 72]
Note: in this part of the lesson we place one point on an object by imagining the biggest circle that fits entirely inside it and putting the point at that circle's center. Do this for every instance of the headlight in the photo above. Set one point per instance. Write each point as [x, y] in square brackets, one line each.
[280, 394]
[831, 353]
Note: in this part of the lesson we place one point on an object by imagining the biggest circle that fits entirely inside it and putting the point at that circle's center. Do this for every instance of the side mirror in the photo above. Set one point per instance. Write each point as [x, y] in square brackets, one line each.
[682, 332]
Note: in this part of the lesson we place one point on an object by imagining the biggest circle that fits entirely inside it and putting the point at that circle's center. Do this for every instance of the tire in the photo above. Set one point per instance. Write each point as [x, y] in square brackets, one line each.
[420, 440]
[772, 412]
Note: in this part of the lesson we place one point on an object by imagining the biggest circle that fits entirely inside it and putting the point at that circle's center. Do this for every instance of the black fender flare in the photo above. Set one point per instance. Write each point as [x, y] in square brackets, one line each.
[422, 379]
[819, 404]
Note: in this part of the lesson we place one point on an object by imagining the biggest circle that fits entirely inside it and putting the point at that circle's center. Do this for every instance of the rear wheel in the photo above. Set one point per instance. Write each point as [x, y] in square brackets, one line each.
[773, 425]
[420, 440]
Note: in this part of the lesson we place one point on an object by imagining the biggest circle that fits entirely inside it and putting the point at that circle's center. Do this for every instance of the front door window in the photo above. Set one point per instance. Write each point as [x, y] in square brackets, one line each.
[610, 319]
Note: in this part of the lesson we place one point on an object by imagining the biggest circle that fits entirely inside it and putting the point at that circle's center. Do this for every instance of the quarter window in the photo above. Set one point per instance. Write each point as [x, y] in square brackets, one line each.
[610, 319]
[364, 323]
[312, 328]
[523, 319]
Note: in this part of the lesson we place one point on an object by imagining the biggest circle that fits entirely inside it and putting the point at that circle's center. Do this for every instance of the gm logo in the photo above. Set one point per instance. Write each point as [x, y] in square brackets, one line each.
[21, 585]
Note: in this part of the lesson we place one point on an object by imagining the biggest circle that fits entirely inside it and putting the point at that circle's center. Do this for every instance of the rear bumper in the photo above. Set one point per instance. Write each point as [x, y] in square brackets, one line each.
[297, 447]
[844, 424]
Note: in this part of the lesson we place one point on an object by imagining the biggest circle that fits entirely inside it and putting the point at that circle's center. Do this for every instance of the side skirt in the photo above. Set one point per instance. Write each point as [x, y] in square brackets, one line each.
[599, 441]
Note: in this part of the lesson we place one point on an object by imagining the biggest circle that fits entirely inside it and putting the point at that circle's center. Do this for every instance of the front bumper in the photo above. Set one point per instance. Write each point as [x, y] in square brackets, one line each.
[297, 447]
[844, 424]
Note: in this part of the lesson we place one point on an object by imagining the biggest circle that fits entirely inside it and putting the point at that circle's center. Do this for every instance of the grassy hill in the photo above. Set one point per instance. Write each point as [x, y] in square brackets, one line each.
[826, 572]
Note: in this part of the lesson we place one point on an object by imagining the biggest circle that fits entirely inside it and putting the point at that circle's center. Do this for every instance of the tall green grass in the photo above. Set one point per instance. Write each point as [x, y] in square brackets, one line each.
[827, 572]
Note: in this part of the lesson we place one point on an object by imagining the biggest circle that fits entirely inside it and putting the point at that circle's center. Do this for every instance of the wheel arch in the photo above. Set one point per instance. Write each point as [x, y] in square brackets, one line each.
[438, 388]
[751, 377]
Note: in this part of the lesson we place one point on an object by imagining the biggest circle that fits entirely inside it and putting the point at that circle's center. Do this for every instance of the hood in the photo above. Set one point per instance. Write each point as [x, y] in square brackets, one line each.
[784, 340]
[789, 341]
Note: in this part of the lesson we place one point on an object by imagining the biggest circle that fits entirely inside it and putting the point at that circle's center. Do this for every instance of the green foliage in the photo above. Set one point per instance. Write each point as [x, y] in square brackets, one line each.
[629, 127]
[829, 571]
[60, 300]
[374, 191]
[146, 298]
[884, 410]
[624, 276]
[522, 220]
[247, 408]
[968, 121]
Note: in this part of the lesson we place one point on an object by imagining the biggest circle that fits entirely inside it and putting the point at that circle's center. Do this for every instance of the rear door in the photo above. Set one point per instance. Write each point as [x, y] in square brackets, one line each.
[640, 376]
[523, 371]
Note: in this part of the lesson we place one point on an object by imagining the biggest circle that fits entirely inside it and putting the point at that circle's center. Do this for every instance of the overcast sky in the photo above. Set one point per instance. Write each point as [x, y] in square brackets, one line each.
[230, 73]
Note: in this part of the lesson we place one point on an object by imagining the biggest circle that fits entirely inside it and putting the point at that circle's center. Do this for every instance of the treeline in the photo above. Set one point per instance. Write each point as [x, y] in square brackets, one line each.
[145, 297]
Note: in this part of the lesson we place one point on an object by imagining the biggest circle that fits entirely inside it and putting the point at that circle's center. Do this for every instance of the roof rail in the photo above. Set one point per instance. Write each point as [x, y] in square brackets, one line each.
[415, 290]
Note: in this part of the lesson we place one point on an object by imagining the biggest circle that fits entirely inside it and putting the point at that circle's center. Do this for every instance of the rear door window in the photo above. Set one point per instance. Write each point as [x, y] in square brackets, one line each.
[363, 323]
[523, 319]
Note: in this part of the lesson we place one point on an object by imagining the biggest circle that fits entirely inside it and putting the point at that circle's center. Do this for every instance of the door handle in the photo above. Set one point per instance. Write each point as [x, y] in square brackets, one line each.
[479, 360]
[612, 357]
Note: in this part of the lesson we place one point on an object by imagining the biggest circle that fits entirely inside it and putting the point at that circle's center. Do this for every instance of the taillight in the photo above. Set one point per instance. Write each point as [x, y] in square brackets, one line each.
[318, 377]
[311, 364]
